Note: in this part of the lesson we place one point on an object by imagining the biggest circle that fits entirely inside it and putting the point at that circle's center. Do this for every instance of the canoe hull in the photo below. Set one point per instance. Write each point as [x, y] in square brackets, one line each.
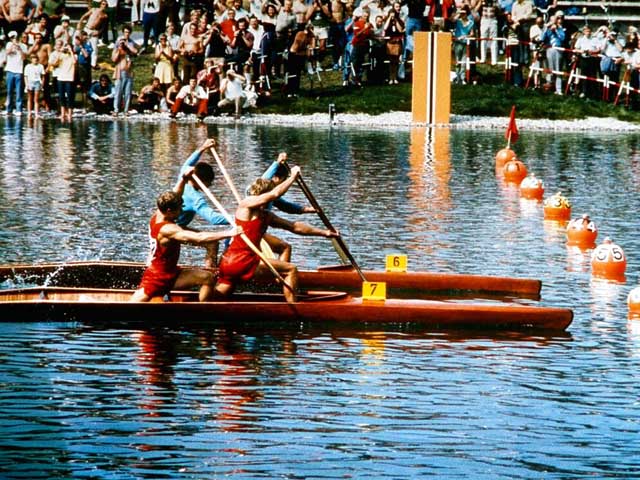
[95, 305]
[399, 284]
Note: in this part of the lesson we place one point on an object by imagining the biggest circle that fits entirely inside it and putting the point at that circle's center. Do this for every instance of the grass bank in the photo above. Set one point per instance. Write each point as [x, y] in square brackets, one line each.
[490, 98]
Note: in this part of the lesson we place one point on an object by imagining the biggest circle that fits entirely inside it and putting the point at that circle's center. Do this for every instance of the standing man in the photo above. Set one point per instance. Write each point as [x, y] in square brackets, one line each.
[94, 21]
[83, 51]
[122, 56]
[18, 14]
[16, 53]
[163, 274]
[553, 38]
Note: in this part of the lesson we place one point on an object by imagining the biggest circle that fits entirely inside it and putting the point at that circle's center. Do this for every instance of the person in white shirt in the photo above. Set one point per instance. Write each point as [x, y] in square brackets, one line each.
[64, 31]
[33, 77]
[256, 58]
[588, 49]
[16, 53]
[232, 92]
[191, 98]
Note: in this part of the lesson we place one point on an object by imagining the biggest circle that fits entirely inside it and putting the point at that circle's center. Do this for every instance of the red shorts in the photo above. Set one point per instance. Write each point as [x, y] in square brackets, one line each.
[157, 283]
[237, 267]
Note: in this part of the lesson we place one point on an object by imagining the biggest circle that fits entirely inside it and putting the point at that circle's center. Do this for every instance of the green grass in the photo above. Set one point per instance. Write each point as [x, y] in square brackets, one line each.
[490, 98]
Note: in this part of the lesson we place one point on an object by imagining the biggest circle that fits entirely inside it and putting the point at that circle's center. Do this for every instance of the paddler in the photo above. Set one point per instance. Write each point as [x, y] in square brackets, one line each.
[239, 263]
[165, 237]
[194, 201]
[278, 172]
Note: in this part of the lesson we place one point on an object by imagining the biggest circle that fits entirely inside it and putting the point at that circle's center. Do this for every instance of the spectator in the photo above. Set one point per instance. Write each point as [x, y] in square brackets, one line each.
[216, 44]
[489, 31]
[101, 95]
[18, 14]
[553, 39]
[52, 10]
[42, 50]
[377, 53]
[191, 52]
[111, 23]
[512, 31]
[232, 92]
[122, 57]
[362, 33]
[94, 21]
[151, 96]
[394, 31]
[63, 59]
[319, 14]
[83, 52]
[588, 49]
[463, 31]
[300, 11]
[209, 80]
[300, 51]
[611, 57]
[241, 44]
[16, 53]
[150, 16]
[165, 60]
[191, 98]
[285, 28]
[252, 71]
[172, 92]
[64, 31]
[37, 27]
[33, 77]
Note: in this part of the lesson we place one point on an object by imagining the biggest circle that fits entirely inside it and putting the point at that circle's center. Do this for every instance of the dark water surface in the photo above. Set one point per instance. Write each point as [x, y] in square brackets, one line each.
[82, 401]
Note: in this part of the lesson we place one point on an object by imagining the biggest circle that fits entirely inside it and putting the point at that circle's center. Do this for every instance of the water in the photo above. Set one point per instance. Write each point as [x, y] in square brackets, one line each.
[82, 401]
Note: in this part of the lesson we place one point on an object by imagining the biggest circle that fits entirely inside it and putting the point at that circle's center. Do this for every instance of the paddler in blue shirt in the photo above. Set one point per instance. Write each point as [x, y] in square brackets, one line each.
[278, 172]
[194, 202]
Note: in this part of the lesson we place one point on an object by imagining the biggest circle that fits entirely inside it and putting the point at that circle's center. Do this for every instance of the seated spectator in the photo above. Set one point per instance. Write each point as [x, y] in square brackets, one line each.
[611, 57]
[101, 95]
[150, 96]
[172, 92]
[191, 98]
[232, 92]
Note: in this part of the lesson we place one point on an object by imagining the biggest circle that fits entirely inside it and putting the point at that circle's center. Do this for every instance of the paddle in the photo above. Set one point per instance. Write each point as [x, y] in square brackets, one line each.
[264, 246]
[244, 237]
[338, 242]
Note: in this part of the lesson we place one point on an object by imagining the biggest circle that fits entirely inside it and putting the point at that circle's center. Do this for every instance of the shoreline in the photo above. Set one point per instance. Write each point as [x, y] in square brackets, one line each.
[390, 120]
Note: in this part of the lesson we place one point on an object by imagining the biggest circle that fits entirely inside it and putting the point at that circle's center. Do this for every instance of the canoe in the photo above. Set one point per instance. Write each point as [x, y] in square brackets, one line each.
[326, 308]
[97, 274]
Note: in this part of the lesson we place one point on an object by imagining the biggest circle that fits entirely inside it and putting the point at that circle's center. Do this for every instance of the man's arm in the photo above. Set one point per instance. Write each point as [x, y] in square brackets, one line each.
[174, 232]
[254, 201]
[300, 228]
[195, 156]
[202, 208]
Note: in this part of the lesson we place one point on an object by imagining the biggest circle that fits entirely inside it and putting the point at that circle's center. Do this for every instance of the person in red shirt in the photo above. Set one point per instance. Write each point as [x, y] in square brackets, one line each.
[362, 34]
[239, 262]
[165, 237]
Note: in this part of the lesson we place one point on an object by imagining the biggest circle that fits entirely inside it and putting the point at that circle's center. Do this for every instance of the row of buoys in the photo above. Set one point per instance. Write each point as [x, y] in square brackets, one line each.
[608, 260]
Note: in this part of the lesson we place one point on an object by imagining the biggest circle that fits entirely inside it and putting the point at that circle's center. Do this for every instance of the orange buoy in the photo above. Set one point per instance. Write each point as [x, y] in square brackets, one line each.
[608, 261]
[582, 232]
[514, 171]
[505, 155]
[532, 188]
[557, 207]
[633, 301]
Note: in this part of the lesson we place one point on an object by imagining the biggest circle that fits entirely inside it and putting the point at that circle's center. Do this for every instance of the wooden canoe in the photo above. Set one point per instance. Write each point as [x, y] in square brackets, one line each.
[326, 308]
[343, 278]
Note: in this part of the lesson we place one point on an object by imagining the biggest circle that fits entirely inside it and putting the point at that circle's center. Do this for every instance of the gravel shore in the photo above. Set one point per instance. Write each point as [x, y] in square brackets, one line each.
[391, 120]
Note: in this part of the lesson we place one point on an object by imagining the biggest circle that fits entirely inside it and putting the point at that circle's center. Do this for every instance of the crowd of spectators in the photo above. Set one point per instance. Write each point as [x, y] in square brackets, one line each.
[539, 48]
[228, 54]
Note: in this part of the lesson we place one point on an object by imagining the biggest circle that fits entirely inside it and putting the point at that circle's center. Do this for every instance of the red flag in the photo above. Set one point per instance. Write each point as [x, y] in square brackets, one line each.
[512, 130]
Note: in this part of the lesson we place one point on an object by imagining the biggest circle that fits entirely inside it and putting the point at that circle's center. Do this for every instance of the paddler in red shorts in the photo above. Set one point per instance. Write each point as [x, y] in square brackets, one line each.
[165, 236]
[239, 263]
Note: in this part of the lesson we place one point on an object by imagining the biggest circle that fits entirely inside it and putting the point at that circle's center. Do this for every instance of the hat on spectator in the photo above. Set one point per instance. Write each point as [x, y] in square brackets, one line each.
[559, 13]
[632, 29]
[12, 34]
[64, 18]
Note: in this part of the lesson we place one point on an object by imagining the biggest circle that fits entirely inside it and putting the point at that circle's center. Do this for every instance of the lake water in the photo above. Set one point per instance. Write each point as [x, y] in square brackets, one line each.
[78, 401]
